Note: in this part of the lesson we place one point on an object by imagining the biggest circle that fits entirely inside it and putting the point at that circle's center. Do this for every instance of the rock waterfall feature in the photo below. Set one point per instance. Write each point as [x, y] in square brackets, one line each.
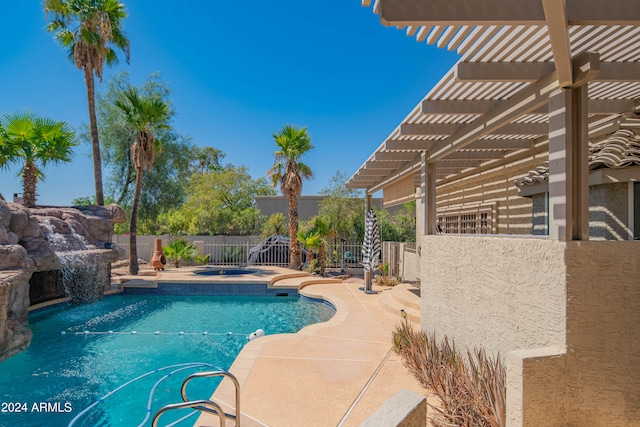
[49, 253]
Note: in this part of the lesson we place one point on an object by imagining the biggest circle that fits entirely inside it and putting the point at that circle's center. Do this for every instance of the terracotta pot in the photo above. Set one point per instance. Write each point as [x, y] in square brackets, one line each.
[158, 260]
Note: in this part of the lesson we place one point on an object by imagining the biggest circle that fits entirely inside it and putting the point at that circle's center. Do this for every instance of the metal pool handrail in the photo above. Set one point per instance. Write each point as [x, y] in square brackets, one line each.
[210, 374]
[201, 405]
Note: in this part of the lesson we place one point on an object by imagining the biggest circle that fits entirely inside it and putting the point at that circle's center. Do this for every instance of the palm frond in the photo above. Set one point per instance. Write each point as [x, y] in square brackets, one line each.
[91, 28]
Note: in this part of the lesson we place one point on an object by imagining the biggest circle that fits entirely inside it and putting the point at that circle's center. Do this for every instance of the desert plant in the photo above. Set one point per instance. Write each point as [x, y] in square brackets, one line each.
[179, 250]
[203, 260]
[385, 279]
[471, 392]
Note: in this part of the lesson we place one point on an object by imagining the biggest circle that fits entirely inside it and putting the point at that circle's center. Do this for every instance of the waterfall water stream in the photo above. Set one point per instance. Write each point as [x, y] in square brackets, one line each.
[78, 266]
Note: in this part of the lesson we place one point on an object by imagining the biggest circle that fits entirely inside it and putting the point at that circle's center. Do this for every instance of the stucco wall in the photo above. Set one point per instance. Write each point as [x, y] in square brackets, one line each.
[536, 388]
[494, 291]
[565, 315]
[603, 340]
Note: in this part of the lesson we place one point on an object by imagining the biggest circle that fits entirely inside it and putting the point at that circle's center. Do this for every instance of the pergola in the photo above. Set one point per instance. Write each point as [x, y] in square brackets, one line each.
[533, 76]
[536, 79]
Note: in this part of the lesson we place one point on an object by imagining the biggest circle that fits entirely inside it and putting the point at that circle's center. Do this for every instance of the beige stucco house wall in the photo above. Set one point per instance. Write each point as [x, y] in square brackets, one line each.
[564, 320]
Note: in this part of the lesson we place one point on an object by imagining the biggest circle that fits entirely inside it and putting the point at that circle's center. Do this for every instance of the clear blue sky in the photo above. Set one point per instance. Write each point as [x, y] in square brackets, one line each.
[239, 70]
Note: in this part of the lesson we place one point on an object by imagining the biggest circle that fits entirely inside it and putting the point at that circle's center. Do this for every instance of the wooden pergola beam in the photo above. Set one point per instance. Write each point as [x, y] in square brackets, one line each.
[501, 144]
[533, 71]
[555, 13]
[408, 145]
[384, 156]
[475, 155]
[503, 12]
[372, 164]
[529, 98]
[372, 172]
[483, 106]
[502, 71]
[449, 163]
[459, 106]
[410, 168]
[452, 128]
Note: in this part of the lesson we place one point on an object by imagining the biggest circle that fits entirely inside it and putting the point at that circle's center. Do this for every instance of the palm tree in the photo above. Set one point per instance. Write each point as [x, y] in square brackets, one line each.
[312, 241]
[35, 142]
[92, 31]
[321, 228]
[288, 171]
[181, 250]
[144, 115]
[208, 159]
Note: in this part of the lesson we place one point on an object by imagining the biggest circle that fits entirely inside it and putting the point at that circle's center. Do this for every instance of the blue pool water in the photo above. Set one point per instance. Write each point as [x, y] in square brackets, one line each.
[80, 354]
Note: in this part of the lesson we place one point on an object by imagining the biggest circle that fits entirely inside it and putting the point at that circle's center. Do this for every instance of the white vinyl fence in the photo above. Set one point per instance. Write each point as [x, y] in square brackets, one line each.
[235, 250]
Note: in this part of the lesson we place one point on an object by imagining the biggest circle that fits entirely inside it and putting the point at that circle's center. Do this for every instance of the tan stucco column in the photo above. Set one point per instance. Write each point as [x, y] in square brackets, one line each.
[427, 195]
[568, 165]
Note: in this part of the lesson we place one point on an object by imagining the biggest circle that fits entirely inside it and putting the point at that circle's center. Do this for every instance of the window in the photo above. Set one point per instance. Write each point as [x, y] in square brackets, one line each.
[466, 221]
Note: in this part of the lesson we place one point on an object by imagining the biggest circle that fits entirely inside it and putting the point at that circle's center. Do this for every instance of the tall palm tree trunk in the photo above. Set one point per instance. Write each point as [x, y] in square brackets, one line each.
[133, 224]
[95, 143]
[29, 182]
[294, 244]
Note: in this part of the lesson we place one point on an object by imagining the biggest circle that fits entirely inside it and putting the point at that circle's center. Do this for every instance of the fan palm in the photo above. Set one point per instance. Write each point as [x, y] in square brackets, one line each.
[321, 228]
[181, 250]
[92, 31]
[312, 241]
[144, 115]
[288, 171]
[35, 142]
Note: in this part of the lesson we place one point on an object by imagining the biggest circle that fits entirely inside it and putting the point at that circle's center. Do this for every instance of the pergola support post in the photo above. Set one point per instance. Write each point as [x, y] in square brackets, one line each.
[568, 165]
[428, 195]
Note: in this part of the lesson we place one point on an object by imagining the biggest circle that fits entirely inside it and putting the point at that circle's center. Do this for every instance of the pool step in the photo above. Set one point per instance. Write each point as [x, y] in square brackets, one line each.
[286, 276]
[300, 281]
[402, 297]
[139, 283]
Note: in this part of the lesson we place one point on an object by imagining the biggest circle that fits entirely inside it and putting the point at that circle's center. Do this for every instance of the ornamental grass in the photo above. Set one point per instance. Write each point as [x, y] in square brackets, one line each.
[471, 390]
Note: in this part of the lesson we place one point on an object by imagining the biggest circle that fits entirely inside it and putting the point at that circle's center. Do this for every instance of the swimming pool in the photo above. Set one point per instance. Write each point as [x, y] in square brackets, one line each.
[80, 354]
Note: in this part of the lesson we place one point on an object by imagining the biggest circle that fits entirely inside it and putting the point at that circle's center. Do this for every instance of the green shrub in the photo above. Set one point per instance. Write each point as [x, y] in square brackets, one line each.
[203, 260]
[179, 250]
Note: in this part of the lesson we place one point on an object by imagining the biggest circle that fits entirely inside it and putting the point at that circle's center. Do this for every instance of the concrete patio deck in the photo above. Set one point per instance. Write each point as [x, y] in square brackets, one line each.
[335, 373]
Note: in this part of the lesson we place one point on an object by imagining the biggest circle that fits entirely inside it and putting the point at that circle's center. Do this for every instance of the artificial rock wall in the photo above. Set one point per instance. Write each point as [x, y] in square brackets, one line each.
[25, 248]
